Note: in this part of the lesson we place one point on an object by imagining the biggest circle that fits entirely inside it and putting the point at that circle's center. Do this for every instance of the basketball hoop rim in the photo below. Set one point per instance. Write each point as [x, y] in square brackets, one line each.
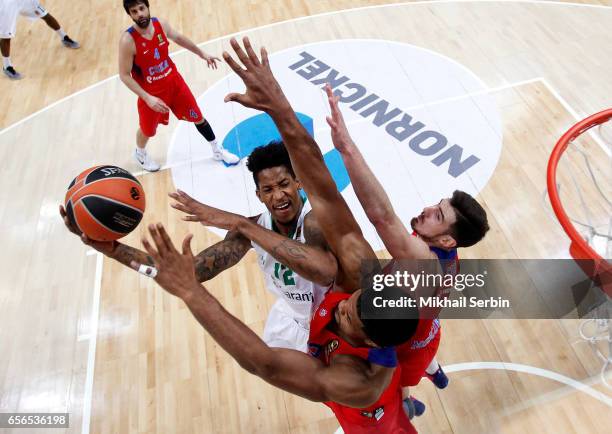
[580, 249]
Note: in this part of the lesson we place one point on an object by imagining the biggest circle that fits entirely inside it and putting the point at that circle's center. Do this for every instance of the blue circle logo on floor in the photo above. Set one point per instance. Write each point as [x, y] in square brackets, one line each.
[260, 130]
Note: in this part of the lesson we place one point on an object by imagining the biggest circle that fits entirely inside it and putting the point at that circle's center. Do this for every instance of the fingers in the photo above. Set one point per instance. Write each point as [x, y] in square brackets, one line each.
[240, 53]
[328, 91]
[179, 206]
[151, 251]
[234, 65]
[331, 98]
[191, 218]
[235, 97]
[264, 58]
[168, 245]
[158, 241]
[187, 246]
[62, 211]
[249, 49]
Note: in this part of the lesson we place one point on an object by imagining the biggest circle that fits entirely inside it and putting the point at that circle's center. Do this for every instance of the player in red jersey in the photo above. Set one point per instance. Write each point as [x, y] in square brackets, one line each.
[353, 368]
[459, 221]
[147, 70]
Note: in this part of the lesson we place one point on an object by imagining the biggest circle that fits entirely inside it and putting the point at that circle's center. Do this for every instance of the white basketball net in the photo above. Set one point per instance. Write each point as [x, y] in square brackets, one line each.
[587, 167]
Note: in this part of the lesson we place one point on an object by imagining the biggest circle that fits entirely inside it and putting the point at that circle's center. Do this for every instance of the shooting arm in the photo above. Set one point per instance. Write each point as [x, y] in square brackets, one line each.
[347, 380]
[208, 263]
[313, 261]
[127, 50]
[221, 256]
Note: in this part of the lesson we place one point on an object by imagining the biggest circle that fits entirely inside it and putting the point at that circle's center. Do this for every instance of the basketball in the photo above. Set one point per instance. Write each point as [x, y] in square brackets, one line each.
[105, 202]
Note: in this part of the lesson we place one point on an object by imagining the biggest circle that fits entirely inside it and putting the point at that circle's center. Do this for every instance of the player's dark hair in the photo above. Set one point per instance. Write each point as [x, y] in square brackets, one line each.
[471, 225]
[273, 154]
[389, 332]
[127, 4]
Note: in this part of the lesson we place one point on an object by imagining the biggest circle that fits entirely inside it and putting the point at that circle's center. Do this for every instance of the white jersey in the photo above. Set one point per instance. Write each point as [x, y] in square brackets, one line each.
[11, 9]
[300, 297]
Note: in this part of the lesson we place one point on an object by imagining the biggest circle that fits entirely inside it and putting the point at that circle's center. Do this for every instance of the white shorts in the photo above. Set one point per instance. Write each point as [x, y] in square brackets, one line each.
[11, 9]
[283, 330]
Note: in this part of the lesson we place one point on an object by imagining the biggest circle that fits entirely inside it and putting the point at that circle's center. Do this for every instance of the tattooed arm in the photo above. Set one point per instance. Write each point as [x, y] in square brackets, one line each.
[221, 256]
[208, 263]
[312, 260]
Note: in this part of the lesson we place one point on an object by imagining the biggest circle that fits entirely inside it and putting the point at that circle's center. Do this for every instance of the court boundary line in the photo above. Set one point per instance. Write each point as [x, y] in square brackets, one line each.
[93, 340]
[298, 19]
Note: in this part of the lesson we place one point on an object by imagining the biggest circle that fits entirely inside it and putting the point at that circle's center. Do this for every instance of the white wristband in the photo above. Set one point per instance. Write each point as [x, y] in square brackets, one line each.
[148, 271]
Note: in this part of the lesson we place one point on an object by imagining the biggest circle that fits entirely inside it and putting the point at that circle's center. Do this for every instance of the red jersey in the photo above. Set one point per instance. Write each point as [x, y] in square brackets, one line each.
[153, 67]
[429, 325]
[324, 345]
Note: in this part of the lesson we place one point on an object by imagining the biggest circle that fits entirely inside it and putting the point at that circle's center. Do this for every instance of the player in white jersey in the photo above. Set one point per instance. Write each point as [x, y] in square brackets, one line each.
[293, 254]
[33, 10]
[288, 322]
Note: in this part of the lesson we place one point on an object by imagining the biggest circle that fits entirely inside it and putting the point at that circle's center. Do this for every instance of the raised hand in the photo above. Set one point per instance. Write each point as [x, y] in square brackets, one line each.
[175, 270]
[262, 90]
[104, 247]
[340, 136]
[207, 215]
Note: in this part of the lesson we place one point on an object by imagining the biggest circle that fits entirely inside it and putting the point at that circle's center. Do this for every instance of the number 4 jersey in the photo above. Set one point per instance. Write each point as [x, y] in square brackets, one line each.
[289, 320]
[152, 65]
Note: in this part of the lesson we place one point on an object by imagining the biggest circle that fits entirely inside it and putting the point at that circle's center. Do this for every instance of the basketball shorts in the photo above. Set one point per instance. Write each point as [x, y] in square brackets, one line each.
[415, 361]
[283, 330]
[390, 419]
[177, 95]
[11, 9]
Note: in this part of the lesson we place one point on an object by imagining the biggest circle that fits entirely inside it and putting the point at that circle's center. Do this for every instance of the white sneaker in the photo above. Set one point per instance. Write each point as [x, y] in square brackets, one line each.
[222, 154]
[146, 162]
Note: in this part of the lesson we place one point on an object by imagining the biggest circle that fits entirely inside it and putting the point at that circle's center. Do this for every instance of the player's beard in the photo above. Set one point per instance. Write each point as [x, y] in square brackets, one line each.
[413, 223]
[143, 23]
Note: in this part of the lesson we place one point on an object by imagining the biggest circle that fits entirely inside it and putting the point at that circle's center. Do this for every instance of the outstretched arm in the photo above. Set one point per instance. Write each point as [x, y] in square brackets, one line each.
[312, 260]
[347, 380]
[188, 44]
[335, 218]
[372, 196]
[208, 263]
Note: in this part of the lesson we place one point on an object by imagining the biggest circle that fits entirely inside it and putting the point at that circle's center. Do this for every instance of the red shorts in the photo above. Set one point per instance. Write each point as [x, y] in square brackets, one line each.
[414, 361]
[393, 420]
[178, 97]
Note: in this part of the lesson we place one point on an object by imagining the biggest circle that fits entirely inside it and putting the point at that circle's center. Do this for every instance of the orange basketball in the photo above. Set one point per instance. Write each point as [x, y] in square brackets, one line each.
[105, 202]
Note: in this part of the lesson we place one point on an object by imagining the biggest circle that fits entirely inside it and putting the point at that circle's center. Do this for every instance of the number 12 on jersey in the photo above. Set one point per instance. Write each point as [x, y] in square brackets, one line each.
[286, 272]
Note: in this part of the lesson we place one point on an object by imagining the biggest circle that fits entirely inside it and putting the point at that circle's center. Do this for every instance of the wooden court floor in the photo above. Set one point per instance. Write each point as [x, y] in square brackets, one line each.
[82, 334]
